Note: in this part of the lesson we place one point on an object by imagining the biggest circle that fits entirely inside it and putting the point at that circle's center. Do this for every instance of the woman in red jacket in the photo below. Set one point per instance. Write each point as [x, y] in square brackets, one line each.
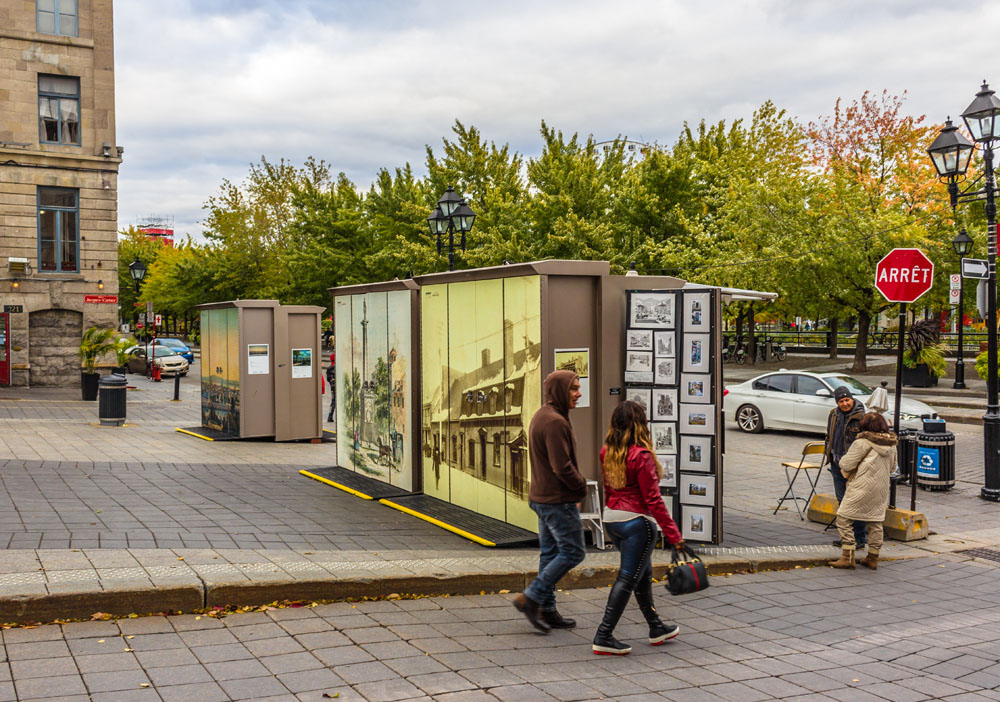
[632, 506]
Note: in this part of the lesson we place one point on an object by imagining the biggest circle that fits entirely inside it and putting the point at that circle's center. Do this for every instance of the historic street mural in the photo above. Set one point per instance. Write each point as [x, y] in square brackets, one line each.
[373, 385]
[220, 370]
[481, 384]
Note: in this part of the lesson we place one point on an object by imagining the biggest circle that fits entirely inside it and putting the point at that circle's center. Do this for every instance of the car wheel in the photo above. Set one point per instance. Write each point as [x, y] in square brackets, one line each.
[749, 420]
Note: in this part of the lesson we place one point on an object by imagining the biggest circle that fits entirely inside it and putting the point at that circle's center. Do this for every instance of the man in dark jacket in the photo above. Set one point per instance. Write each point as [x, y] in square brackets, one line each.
[556, 487]
[842, 429]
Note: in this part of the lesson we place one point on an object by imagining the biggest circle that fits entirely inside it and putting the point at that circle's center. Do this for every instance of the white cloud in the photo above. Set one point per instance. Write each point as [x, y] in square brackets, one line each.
[205, 88]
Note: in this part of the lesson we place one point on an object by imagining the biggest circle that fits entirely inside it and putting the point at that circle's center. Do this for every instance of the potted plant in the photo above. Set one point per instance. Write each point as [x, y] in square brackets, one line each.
[94, 344]
[923, 358]
[121, 358]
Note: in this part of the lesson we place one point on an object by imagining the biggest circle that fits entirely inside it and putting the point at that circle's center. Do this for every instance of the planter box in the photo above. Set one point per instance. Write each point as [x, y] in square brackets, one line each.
[919, 377]
[89, 384]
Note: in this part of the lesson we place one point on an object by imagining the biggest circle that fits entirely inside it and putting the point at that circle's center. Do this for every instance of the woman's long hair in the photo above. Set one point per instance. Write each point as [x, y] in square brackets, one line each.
[628, 428]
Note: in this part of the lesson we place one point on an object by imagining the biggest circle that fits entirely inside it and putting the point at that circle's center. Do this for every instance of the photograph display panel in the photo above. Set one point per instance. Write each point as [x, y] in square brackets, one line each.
[696, 387]
[669, 463]
[664, 405]
[698, 489]
[680, 394]
[696, 523]
[697, 453]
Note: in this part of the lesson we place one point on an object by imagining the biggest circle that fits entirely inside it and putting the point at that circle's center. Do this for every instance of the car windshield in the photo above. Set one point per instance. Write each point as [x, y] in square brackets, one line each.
[855, 386]
[162, 351]
[173, 343]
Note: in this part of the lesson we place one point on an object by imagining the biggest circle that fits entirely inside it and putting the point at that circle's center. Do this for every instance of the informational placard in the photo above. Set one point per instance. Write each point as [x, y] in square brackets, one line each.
[672, 370]
[302, 363]
[259, 359]
[578, 361]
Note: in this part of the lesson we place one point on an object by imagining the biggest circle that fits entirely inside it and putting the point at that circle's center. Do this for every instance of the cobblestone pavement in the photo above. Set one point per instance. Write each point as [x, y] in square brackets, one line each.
[805, 635]
[65, 483]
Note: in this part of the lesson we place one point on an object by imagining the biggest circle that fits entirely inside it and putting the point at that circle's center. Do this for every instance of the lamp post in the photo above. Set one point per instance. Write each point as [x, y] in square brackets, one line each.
[451, 215]
[137, 269]
[951, 153]
[963, 247]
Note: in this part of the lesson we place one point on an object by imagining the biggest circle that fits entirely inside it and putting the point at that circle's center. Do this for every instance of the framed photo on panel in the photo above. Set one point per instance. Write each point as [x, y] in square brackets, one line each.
[645, 377]
[696, 388]
[664, 404]
[696, 523]
[663, 344]
[664, 436]
[651, 310]
[697, 419]
[665, 371]
[697, 489]
[639, 396]
[697, 353]
[639, 339]
[697, 312]
[639, 361]
[696, 454]
[669, 463]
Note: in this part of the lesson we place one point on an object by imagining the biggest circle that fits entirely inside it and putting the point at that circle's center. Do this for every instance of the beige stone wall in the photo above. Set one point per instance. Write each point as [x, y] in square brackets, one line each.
[28, 164]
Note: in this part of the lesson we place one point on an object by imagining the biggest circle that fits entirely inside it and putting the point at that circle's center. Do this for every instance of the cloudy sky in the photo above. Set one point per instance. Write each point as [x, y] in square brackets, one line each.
[205, 87]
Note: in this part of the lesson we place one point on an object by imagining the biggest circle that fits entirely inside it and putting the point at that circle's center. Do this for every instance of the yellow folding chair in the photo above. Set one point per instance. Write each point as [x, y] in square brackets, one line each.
[794, 468]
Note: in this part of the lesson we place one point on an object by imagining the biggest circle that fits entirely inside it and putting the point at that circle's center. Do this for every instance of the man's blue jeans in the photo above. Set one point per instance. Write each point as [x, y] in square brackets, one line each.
[840, 488]
[560, 539]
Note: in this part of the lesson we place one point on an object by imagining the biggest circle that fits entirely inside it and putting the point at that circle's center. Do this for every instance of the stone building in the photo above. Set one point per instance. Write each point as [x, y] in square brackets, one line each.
[58, 185]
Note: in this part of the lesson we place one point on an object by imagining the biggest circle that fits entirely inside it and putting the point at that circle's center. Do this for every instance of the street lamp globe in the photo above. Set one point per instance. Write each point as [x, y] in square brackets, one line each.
[437, 222]
[981, 117]
[464, 217]
[963, 244]
[951, 151]
[449, 202]
[137, 269]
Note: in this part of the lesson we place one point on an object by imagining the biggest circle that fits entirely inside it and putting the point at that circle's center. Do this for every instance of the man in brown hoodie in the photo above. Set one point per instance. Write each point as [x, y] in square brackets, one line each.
[556, 487]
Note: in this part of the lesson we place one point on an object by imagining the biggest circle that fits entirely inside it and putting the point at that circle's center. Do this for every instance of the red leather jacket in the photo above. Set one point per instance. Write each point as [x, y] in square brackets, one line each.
[641, 492]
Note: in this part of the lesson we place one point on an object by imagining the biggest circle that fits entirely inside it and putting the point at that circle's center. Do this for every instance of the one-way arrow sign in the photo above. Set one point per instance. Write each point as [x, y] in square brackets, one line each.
[975, 268]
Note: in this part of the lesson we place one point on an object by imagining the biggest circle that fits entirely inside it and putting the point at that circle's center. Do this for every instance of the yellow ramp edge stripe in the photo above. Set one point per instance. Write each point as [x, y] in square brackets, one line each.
[185, 431]
[320, 478]
[437, 522]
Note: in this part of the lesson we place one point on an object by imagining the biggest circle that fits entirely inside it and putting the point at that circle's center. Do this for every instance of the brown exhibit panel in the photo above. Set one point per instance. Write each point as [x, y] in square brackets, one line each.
[261, 370]
[453, 368]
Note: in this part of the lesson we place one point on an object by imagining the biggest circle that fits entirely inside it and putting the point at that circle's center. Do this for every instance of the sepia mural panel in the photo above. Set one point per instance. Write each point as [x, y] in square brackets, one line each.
[434, 441]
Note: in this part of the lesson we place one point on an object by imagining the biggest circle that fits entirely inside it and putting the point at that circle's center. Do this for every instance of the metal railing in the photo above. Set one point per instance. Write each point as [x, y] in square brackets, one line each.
[877, 340]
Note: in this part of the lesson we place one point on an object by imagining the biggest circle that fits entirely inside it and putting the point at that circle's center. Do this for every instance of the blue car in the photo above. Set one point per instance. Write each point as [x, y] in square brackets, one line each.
[178, 346]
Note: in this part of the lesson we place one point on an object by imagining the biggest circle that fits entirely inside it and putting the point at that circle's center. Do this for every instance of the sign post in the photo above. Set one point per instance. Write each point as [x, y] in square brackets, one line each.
[902, 276]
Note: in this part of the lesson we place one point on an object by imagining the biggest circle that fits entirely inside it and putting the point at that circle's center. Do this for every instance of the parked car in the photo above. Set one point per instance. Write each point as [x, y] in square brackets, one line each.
[178, 346]
[170, 363]
[803, 400]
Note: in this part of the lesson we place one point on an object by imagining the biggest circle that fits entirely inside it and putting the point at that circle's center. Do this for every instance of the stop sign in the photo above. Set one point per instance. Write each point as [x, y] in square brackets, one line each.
[903, 275]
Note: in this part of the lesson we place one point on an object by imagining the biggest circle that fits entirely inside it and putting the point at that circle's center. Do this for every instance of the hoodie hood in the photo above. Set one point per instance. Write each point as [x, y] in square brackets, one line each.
[557, 390]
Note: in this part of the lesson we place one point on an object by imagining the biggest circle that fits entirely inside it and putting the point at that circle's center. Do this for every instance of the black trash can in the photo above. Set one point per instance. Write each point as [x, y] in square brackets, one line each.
[935, 456]
[906, 452]
[111, 400]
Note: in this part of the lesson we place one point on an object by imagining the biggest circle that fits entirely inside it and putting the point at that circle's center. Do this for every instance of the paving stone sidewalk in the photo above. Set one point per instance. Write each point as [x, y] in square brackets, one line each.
[809, 635]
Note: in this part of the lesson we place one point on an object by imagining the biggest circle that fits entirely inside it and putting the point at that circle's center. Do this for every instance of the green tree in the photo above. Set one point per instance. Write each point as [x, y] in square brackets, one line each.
[134, 244]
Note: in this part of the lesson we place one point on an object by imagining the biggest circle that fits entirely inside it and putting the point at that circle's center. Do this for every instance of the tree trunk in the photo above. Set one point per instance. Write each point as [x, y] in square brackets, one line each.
[834, 331]
[739, 327]
[861, 348]
[753, 336]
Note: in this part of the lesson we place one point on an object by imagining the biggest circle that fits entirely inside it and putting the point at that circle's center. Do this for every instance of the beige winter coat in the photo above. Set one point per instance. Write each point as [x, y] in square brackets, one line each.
[867, 466]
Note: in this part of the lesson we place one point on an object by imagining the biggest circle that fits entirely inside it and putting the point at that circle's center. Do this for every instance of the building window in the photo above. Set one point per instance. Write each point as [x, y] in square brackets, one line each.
[58, 17]
[58, 230]
[58, 109]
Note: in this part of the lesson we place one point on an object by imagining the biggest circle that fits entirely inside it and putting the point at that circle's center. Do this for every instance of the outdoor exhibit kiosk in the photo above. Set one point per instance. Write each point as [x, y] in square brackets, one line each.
[260, 371]
[438, 378]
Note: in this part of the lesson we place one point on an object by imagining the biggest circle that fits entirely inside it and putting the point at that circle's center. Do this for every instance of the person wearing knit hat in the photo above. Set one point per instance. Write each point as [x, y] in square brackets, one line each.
[842, 428]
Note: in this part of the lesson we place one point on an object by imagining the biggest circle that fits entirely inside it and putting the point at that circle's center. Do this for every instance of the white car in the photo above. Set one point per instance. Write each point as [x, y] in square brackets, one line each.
[802, 400]
[169, 361]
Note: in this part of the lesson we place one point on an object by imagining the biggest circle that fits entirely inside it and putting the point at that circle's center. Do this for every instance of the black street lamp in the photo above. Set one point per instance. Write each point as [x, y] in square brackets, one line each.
[137, 269]
[963, 247]
[951, 153]
[451, 215]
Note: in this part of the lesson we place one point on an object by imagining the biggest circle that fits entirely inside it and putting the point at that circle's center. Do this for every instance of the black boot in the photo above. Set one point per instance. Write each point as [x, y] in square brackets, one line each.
[658, 631]
[604, 643]
[556, 620]
[530, 609]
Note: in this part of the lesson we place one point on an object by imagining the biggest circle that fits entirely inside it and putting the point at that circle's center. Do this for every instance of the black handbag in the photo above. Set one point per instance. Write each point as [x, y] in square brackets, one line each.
[687, 575]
